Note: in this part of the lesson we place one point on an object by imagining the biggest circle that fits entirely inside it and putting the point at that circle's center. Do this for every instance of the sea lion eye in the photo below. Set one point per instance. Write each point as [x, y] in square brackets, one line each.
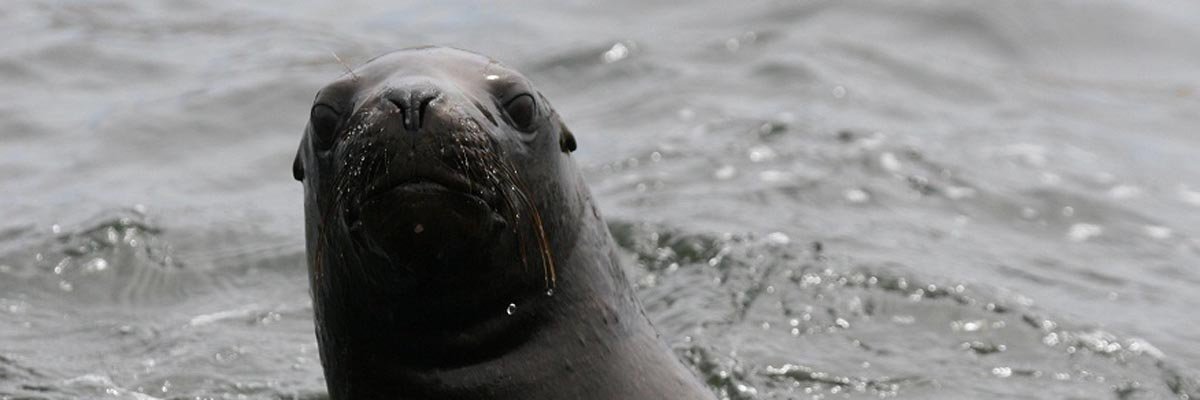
[324, 121]
[521, 110]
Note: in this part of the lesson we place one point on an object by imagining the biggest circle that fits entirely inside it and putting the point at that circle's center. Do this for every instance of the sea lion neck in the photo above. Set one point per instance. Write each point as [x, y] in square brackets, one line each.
[373, 350]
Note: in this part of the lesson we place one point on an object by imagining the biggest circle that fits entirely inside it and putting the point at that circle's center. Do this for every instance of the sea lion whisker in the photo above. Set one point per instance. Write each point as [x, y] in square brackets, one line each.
[514, 214]
[547, 256]
[543, 244]
[344, 65]
[514, 199]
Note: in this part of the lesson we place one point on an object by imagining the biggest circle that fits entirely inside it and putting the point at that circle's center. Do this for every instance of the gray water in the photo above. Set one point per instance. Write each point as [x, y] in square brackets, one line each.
[939, 199]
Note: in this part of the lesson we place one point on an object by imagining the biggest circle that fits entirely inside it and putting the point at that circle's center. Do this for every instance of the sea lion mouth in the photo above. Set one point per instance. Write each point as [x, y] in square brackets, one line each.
[431, 218]
[428, 176]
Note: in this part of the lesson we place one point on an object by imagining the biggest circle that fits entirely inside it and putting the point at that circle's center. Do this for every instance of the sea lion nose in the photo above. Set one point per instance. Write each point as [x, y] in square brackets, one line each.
[412, 99]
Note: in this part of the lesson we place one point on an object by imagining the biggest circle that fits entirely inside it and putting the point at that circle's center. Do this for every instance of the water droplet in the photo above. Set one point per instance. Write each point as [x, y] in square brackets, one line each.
[550, 292]
[1029, 213]
[857, 196]
[419, 228]
[618, 52]
[839, 91]
[959, 192]
[778, 238]
[725, 172]
[96, 265]
[1083, 232]
[761, 153]
[889, 162]
[512, 308]
[732, 45]
[970, 326]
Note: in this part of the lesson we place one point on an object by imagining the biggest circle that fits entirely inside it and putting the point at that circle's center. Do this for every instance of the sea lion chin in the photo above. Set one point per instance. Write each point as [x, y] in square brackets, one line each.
[436, 225]
[454, 250]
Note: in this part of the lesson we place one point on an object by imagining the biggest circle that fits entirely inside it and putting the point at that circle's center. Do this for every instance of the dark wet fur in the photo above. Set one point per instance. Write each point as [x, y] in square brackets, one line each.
[475, 155]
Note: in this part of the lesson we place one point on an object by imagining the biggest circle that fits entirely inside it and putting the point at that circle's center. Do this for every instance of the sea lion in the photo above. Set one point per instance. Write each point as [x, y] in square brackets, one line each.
[454, 250]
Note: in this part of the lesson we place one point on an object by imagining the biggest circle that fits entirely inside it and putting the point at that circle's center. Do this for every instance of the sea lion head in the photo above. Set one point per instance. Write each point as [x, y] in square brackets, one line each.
[436, 174]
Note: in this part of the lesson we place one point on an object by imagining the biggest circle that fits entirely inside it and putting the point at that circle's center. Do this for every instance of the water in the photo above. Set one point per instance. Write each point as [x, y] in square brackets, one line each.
[816, 199]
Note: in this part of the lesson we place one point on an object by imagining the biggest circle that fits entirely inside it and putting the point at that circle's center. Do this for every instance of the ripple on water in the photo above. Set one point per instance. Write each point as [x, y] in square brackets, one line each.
[117, 259]
[784, 319]
[157, 324]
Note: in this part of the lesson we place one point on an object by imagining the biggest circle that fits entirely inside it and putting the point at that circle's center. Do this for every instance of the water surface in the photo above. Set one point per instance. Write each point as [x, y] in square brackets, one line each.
[816, 199]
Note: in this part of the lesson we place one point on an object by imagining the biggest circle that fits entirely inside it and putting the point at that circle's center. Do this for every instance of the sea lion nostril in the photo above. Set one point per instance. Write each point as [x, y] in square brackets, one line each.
[413, 101]
[395, 102]
[424, 110]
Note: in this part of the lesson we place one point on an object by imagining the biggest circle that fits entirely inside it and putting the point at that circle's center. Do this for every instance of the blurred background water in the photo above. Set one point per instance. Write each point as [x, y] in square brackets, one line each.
[937, 199]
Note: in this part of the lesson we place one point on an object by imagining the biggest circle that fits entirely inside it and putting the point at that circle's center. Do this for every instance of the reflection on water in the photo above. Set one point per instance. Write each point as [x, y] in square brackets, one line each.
[816, 199]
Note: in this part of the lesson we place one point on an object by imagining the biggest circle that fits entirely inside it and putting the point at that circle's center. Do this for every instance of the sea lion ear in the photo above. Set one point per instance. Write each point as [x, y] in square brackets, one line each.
[298, 168]
[566, 139]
